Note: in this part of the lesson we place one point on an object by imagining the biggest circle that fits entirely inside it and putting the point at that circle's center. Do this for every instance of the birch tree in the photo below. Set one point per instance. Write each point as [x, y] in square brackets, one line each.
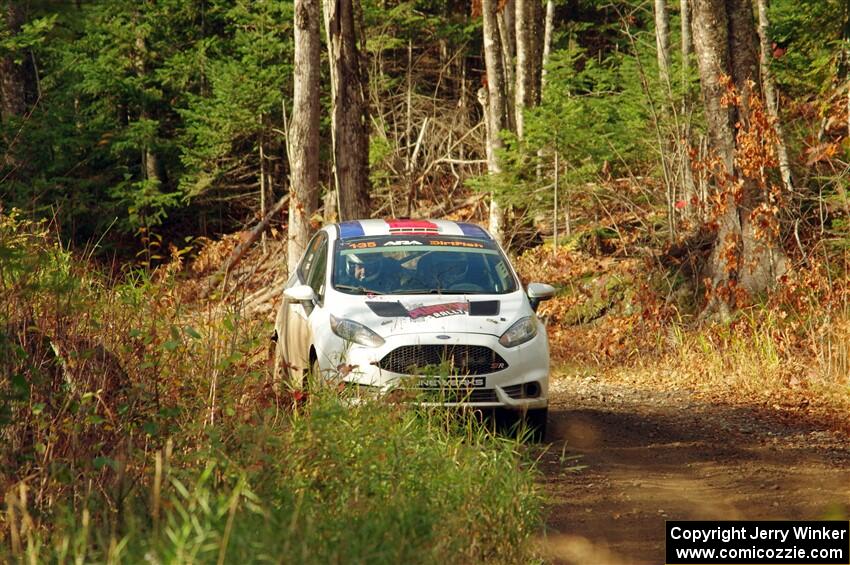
[770, 94]
[304, 131]
[687, 41]
[494, 101]
[662, 41]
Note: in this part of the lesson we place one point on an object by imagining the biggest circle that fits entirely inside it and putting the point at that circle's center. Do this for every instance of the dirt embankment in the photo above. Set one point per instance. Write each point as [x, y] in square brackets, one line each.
[624, 460]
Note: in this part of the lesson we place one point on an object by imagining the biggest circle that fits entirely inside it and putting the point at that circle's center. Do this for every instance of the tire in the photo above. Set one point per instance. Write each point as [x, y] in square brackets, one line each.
[313, 376]
[279, 369]
[536, 421]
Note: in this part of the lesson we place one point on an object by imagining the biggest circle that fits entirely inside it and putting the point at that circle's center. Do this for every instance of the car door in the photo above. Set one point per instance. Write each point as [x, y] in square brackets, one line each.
[316, 317]
[293, 328]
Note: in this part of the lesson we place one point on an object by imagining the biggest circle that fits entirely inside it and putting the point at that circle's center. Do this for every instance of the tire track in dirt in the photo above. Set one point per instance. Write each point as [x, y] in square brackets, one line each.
[624, 460]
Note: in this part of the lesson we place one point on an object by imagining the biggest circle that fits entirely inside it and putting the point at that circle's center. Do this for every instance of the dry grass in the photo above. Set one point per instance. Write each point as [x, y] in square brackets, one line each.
[138, 424]
[622, 318]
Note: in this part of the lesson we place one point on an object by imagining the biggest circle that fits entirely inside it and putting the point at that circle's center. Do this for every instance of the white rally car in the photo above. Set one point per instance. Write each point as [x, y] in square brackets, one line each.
[431, 305]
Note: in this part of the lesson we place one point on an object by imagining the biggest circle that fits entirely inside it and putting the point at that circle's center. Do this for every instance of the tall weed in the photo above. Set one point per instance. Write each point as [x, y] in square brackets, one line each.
[140, 426]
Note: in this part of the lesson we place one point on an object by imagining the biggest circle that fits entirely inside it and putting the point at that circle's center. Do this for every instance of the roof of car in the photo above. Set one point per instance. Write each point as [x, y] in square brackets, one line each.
[366, 228]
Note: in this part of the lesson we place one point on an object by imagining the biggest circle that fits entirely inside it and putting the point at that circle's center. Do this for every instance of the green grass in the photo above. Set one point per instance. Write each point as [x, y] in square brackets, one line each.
[139, 426]
[331, 483]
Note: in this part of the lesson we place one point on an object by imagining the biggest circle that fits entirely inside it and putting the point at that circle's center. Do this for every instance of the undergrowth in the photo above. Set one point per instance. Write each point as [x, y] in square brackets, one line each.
[136, 425]
[630, 318]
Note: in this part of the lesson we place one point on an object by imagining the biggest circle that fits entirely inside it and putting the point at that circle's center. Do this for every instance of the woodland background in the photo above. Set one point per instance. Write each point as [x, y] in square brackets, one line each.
[679, 169]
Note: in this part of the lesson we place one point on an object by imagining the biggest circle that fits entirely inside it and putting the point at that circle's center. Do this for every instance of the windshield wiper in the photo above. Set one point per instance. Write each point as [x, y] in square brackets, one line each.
[361, 289]
[418, 291]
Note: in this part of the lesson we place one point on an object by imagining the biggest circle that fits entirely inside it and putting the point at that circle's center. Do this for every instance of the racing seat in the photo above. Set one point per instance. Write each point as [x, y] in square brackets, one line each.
[443, 269]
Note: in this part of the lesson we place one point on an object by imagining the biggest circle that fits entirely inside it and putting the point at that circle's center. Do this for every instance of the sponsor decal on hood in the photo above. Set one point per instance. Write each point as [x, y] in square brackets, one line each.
[415, 311]
[439, 310]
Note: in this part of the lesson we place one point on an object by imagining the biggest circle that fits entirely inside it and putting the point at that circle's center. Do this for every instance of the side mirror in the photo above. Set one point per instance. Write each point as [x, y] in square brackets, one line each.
[300, 293]
[538, 292]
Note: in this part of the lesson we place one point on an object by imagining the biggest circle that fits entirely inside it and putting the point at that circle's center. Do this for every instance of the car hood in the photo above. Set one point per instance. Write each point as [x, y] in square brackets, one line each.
[389, 315]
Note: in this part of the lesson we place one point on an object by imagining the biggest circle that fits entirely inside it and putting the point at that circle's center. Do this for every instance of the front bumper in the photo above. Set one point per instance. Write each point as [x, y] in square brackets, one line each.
[358, 366]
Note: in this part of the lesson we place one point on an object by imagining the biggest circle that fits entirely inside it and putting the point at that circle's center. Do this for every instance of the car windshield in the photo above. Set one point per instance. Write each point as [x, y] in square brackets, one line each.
[420, 265]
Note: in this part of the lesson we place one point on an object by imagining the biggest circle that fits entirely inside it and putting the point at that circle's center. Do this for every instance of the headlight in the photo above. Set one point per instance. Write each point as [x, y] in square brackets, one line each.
[523, 330]
[349, 330]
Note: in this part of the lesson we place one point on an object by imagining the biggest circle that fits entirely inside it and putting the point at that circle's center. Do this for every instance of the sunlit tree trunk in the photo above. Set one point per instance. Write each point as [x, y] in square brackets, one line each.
[549, 21]
[688, 185]
[687, 41]
[506, 21]
[495, 112]
[304, 130]
[529, 54]
[662, 42]
[726, 45]
[350, 113]
[711, 41]
[770, 95]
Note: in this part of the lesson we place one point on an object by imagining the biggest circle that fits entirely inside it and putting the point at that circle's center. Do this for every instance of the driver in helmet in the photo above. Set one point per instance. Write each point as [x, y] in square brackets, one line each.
[368, 270]
[366, 267]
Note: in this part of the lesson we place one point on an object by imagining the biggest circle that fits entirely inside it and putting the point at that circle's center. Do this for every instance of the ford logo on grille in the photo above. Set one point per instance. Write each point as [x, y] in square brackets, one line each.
[444, 337]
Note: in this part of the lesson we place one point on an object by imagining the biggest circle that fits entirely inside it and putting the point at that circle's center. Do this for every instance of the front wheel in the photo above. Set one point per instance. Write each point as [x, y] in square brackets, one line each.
[312, 378]
[535, 422]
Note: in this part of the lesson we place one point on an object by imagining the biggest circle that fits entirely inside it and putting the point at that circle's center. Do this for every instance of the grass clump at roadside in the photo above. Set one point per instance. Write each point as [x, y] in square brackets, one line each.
[138, 425]
[337, 483]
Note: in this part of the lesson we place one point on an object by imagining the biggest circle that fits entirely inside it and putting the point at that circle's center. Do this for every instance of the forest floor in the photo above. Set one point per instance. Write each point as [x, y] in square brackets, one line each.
[625, 458]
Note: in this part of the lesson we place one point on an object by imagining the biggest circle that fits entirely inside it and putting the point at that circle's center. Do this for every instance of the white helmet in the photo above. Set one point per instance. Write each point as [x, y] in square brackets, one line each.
[371, 263]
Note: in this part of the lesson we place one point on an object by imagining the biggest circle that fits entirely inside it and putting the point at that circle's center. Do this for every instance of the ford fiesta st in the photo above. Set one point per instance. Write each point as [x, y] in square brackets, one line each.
[416, 304]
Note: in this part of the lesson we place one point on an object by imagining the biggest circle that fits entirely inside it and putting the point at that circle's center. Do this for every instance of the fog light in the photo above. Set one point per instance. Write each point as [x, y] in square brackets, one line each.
[532, 389]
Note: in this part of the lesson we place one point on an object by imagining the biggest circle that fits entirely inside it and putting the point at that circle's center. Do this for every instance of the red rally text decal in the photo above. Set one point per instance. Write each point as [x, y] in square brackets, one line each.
[440, 310]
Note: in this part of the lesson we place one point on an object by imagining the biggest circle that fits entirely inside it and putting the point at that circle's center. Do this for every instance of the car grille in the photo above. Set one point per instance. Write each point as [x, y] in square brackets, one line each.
[461, 359]
[459, 395]
[472, 394]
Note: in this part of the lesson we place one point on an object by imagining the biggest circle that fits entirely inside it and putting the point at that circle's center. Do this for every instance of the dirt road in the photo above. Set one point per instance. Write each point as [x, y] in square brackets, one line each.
[622, 461]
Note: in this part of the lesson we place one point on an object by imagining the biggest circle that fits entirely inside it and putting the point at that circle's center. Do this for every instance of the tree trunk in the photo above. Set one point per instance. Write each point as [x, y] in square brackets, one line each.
[662, 42]
[350, 113]
[508, 43]
[711, 42]
[304, 130]
[262, 155]
[770, 95]
[725, 42]
[528, 59]
[547, 47]
[689, 193]
[16, 94]
[494, 104]
[508, 12]
[150, 162]
[547, 41]
[13, 74]
[687, 42]
[743, 53]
